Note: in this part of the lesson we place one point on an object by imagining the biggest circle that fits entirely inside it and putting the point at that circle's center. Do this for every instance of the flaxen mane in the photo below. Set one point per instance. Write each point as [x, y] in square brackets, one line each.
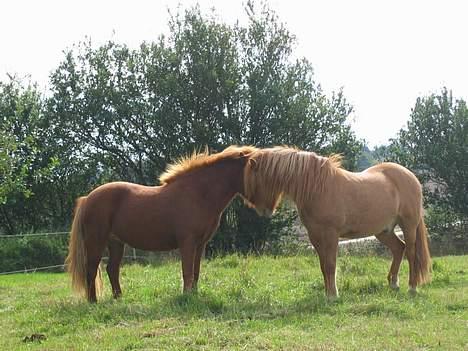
[201, 159]
[298, 173]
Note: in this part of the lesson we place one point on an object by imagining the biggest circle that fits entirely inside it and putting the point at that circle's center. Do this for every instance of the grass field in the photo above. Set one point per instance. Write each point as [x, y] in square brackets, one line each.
[243, 303]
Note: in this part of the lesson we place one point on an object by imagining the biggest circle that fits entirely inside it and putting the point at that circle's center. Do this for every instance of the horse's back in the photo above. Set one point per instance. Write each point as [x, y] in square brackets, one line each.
[405, 182]
[135, 214]
[403, 178]
[373, 200]
[104, 201]
[113, 190]
[110, 196]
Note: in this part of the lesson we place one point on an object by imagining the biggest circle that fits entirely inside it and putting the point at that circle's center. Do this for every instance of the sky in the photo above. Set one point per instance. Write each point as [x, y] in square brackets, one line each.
[383, 54]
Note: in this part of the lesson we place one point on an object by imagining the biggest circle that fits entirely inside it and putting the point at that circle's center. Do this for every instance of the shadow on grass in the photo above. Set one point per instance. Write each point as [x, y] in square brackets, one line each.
[244, 299]
[209, 306]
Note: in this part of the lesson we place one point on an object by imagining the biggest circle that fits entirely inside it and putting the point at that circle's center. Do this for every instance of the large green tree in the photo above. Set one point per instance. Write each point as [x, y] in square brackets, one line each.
[131, 111]
[24, 163]
[115, 112]
[207, 83]
[435, 145]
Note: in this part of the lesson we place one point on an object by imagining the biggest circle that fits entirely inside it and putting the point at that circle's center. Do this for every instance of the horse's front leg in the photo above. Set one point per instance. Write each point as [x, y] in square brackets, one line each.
[326, 245]
[196, 267]
[187, 253]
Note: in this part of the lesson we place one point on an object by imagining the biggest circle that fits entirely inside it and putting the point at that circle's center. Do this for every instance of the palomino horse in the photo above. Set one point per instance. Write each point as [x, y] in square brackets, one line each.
[183, 213]
[334, 203]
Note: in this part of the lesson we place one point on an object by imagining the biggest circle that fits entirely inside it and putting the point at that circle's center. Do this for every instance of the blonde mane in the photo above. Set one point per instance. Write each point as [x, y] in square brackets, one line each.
[199, 159]
[288, 170]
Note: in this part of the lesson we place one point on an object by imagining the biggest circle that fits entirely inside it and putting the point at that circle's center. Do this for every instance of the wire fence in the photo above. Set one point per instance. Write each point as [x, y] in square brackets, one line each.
[35, 269]
[62, 266]
[57, 266]
[348, 244]
[134, 257]
[32, 270]
[32, 234]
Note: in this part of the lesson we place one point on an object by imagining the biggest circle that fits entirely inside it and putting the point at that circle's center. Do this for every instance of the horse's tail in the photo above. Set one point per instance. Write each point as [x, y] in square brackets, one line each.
[423, 257]
[76, 260]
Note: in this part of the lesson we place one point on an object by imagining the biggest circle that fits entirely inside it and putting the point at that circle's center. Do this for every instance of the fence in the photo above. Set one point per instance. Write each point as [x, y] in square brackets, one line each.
[134, 255]
[350, 245]
[33, 234]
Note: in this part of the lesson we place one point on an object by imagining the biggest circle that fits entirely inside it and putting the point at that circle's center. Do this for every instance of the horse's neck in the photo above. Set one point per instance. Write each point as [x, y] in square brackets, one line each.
[309, 183]
[220, 184]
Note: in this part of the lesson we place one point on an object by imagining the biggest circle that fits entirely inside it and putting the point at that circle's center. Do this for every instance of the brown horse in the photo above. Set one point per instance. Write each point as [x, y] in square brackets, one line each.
[183, 213]
[334, 203]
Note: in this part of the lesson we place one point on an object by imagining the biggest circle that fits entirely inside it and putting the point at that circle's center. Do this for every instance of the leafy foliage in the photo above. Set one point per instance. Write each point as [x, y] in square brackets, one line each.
[435, 146]
[205, 84]
[366, 159]
[24, 162]
[117, 113]
[30, 253]
[134, 110]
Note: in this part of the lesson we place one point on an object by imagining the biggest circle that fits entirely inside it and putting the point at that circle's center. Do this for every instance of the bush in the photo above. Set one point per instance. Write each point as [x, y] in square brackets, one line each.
[442, 221]
[32, 252]
[242, 230]
[448, 230]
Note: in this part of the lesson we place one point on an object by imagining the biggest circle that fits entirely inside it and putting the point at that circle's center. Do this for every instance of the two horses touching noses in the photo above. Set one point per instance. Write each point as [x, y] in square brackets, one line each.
[184, 212]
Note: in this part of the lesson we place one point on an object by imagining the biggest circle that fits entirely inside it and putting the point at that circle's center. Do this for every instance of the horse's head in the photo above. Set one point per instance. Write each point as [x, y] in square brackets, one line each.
[259, 191]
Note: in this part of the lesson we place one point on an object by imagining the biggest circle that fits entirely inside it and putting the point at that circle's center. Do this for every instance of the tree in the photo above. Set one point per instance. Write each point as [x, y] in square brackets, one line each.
[119, 113]
[23, 163]
[435, 146]
[11, 179]
[366, 159]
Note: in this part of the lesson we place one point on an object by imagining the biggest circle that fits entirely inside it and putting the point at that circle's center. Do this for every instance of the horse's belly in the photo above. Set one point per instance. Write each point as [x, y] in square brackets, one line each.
[147, 240]
[370, 228]
[354, 235]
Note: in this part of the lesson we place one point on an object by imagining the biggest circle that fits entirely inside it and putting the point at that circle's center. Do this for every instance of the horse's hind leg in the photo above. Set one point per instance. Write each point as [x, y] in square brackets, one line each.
[397, 247]
[116, 250]
[93, 277]
[93, 271]
[95, 245]
[409, 232]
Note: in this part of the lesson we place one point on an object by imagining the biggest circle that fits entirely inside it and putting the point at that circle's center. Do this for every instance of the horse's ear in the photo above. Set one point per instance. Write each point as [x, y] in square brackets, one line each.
[252, 164]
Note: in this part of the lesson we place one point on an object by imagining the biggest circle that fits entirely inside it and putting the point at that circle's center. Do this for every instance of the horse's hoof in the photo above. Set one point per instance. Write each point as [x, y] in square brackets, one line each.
[412, 292]
[190, 291]
[395, 287]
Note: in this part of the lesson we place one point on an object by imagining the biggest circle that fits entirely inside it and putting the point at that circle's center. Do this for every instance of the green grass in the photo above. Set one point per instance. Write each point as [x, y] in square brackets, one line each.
[243, 303]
